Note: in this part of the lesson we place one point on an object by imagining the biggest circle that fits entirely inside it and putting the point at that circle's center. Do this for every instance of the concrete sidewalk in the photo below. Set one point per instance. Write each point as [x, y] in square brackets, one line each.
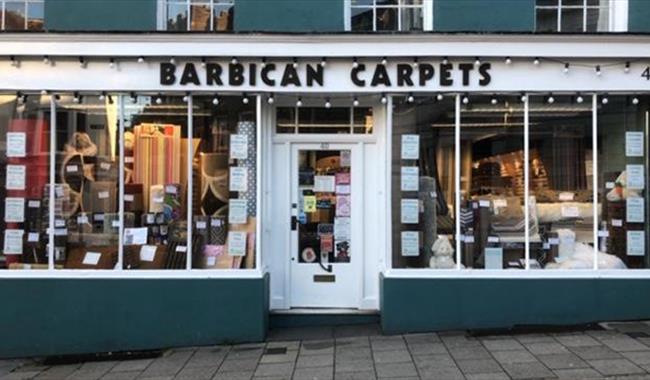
[618, 351]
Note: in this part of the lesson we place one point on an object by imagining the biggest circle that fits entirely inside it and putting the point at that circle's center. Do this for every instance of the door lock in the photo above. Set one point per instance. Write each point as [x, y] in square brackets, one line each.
[294, 223]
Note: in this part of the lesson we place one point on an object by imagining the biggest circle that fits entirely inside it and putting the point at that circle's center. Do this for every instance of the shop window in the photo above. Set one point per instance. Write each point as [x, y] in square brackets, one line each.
[574, 16]
[198, 15]
[322, 120]
[389, 15]
[22, 14]
[25, 168]
[561, 181]
[493, 229]
[86, 218]
[622, 181]
[224, 202]
[423, 183]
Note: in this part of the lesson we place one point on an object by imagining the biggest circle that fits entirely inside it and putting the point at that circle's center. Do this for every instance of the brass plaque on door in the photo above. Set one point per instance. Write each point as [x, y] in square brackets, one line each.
[324, 278]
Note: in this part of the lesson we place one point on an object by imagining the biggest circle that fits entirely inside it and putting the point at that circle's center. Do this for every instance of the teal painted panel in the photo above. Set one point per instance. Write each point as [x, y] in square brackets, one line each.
[639, 16]
[289, 15]
[71, 316]
[484, 15]
[412, 305]
[100, 15]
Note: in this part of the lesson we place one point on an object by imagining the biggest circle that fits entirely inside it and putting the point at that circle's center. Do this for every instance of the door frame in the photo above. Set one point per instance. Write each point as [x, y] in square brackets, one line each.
[355, 266]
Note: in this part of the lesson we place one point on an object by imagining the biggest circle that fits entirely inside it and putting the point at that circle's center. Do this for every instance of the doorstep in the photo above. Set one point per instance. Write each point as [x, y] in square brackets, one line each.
[303, 317]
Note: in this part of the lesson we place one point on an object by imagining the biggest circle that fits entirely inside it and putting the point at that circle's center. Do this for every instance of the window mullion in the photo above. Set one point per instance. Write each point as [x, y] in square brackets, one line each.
[52, 193]
[559, 16]
[457, 180]
[190, 184]
[584, 16]
[120, 126]
[594, 160]
[526, 183]
[189, 15]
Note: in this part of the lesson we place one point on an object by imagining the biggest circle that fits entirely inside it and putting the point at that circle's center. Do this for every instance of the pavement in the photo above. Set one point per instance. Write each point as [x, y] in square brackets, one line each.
[612, 351]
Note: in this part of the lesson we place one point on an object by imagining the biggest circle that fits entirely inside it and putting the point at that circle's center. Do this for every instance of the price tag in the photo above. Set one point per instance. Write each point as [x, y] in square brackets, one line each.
[128, 197]
[102, 194]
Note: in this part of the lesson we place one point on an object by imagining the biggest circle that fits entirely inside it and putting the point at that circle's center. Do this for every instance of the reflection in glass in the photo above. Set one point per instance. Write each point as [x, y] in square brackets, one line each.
[224, 171]
[200, 17]
[572, 20]
[386, 19]
[423, 183]
[223, 16]
[15, 15]
[411, 19]
[598, 19]
[177, 17]
[24, 174]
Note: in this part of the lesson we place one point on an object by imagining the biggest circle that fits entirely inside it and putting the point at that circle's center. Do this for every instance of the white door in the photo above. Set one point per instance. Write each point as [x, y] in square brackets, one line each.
[326, 206]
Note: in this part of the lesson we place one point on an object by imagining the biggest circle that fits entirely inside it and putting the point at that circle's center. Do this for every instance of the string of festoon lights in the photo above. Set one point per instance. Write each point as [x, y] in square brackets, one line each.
[113, 61]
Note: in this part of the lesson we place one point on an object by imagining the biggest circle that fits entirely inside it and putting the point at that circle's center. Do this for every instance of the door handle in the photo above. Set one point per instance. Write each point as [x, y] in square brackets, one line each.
[294, 223]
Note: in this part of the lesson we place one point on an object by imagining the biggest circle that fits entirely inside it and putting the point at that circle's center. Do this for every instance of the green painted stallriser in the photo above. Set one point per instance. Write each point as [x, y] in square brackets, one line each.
[42, 317]
[416, 305]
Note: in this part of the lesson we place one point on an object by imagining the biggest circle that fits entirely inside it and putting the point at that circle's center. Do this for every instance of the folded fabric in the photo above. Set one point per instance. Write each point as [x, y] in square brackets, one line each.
[91, 257]
[133, 197]
[214, 184]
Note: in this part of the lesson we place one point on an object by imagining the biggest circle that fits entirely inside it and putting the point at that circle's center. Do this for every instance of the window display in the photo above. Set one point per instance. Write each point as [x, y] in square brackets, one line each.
[325, 120]
[25, 166]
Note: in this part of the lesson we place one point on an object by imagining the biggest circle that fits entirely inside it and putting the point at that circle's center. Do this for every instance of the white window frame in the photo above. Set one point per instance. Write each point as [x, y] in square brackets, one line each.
[161, 13]
[3, 8]
[617, 14]
[427, 14]
[527, 272]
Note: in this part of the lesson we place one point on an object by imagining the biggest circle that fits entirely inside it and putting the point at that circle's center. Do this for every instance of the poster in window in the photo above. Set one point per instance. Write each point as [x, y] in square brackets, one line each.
[324, 183]
[16, 143]
[237, 211]
[635, 177]
[634, 144]
[410, 147]
[14, 210]
[410, 243]
[343, 205]
[410, 211]
[635, 243]
[410, 178]
[13, 242]
[239, 147]
[238, 179]
[635, 210]
[15, 177]
[236, 243]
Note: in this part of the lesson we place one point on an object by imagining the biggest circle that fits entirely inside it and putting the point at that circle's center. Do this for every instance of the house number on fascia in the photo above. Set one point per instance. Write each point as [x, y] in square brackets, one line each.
[646, 73]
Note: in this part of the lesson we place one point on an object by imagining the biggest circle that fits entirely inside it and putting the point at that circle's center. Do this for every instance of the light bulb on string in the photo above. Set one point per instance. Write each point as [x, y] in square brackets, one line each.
[299, 102]
[523, 98]
[477, 62]
[159, 99]
[384, 99]
[263, 64]
[415, 62]
[82, 62]
[598, 72]
[355, 102]
[234, 60]
[186, 97]
[445, 60]
[203, 62]
[635, 101]
[76, 98]
[384, 61]
[627, 67]
[270, 100]
[536, 61]
[133, 97]
[566, 68]
[102, 96]
[410, 98]
[327, 103]
[355, 63]
[579, 99]
[508, 60]
[215, 100]
[550, 99]
[323, 62]
[172, 60]
[245, 99]
[439, 97]
[14, 61]
[604, 100]
[494, 101]
[46, 59]
[43, 92]
[295, 63]
[111, 63]
[140, 59]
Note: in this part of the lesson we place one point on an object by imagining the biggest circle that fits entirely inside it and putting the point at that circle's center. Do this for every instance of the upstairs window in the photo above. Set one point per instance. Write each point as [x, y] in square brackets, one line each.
[389, 15]
[574, 16]
[21, 14]
[198, 15]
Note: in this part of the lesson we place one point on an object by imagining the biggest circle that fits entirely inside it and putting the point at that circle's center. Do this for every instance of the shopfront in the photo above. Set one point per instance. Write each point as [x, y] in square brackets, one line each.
[165, 190]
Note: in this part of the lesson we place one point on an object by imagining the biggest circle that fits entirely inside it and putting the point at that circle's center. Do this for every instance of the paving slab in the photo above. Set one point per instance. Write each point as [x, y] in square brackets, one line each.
[638, 357]
[362, 375]
[502, 344]
[578, 374]
[530, 370]
[393, 370]
[317, 373]
[595, 352]
[400, 356]
[510, 357]
[613, 367]
[472, 366]
[310, 361]
[562, 361]
[545, 348]
[274, 369]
